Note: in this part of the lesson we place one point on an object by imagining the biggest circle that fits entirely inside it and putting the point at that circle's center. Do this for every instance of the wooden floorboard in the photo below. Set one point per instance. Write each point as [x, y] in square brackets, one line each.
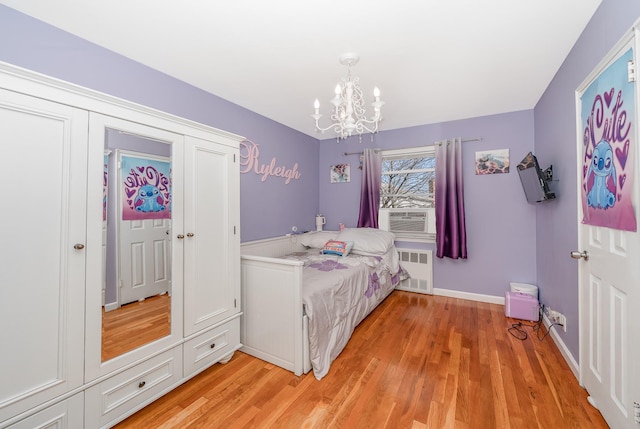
[134, 325]
[418, 361]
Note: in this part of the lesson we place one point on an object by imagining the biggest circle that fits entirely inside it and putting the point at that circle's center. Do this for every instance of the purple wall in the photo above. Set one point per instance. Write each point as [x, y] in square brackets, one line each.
[555, 142]
[267, 208]
[500, 224]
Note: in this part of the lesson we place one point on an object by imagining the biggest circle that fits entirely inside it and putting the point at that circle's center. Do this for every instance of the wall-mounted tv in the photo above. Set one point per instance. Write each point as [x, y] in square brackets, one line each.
[535, 181]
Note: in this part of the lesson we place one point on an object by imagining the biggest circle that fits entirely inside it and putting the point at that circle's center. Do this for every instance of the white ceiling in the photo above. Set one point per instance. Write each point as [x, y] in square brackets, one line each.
[433, 60]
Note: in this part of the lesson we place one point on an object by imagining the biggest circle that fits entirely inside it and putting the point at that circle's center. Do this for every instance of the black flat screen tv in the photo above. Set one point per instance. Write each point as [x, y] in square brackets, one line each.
[535, 181]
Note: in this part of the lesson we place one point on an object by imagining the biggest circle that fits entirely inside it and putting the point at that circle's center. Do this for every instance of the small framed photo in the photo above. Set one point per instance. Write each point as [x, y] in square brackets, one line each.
[492, 161]
[340, 173]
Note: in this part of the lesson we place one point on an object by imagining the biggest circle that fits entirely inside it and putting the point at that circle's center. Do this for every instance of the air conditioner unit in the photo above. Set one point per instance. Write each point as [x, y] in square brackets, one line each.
[419, 220]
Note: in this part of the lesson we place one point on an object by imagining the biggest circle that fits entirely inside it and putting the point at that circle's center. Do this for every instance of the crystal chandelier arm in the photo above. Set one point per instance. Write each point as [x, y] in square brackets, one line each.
[335, 126]
[339, 126]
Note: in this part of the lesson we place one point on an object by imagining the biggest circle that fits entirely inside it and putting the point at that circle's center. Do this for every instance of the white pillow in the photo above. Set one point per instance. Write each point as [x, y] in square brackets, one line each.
[368, 240]
[317, 239]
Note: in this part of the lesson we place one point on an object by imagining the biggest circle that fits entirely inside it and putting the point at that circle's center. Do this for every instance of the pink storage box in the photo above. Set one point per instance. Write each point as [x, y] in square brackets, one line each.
[521, 306]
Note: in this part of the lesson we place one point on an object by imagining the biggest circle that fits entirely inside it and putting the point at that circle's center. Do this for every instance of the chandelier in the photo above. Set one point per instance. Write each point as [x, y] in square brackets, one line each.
[348, 116]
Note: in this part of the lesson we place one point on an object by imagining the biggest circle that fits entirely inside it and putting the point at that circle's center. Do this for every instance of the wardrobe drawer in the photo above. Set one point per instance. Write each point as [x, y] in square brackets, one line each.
[67, 414]
[124, 393]
[207, 348]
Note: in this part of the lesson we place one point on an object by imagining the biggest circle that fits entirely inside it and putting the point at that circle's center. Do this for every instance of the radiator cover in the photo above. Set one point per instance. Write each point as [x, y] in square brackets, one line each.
[419, 265]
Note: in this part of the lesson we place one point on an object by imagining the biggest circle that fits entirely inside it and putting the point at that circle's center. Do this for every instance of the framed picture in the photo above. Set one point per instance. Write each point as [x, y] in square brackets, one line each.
[340, 173]
[492, 161]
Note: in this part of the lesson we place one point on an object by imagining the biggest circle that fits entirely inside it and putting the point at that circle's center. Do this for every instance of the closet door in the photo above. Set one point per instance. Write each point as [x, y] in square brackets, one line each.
[212, 236]
[43, 184]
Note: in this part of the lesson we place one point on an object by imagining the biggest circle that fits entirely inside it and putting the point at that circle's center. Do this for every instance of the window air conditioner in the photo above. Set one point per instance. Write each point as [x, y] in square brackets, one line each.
[418, 220]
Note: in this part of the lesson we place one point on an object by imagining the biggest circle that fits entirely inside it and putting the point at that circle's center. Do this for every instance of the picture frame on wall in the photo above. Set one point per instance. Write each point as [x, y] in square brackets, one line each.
[492, 162]
[340, 173]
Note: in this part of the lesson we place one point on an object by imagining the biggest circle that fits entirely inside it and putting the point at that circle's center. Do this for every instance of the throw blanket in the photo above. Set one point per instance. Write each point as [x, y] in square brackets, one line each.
[339, 292]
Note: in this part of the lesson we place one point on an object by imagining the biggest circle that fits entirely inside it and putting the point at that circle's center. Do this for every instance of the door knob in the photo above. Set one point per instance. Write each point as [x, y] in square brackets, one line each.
[180, 236]
[190, 234]
[78, 246]
[580, 255]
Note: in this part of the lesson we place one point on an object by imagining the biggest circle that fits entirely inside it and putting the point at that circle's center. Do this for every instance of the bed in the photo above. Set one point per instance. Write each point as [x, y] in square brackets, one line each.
[302, 301]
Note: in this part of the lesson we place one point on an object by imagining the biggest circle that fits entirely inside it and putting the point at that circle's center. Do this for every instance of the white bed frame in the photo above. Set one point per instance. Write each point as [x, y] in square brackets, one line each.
[273, 327]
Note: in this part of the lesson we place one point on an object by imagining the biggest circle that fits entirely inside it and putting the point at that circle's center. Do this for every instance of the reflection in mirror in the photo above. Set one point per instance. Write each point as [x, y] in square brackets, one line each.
[137, 199]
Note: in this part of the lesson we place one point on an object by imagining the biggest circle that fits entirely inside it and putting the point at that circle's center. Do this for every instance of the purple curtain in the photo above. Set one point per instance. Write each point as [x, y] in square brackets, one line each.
[451, 240]
[370, 190]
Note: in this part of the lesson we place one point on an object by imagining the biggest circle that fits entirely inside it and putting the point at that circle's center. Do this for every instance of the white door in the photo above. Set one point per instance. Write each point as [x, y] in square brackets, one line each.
[609, 271]
[144, 252]
[609, 322]
[211, 241]
[43, 183]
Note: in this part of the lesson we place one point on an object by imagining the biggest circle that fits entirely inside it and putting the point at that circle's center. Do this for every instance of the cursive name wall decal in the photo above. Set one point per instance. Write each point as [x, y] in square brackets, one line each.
[250, 162]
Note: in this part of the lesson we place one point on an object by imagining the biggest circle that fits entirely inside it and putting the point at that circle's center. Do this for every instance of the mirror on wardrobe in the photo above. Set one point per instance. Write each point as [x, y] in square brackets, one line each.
[136, 281]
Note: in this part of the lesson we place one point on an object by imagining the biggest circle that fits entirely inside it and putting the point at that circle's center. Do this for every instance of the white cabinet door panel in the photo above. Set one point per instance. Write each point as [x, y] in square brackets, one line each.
[43, 186]
[211, 244]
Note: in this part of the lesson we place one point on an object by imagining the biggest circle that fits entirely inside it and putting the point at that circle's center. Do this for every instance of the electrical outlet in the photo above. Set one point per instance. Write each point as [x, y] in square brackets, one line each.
[556, 317]
[563, 321]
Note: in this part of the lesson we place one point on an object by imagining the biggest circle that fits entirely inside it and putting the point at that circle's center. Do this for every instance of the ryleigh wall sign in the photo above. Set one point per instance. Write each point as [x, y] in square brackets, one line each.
[249, 161]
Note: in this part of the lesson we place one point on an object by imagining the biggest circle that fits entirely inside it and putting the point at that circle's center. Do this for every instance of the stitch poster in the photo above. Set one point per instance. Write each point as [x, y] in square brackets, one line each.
[609, 148]
[146, 186]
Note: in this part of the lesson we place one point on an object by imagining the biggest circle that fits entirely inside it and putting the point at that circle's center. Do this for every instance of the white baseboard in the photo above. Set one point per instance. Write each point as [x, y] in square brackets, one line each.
[111, 306]
[568, 357]
[470, 296]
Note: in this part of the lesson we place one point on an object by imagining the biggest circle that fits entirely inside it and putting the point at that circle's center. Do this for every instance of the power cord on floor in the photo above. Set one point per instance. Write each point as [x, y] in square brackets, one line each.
[518, 329]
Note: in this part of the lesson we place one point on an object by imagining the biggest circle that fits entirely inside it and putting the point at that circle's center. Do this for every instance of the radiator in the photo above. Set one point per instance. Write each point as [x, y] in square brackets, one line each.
[419, 265]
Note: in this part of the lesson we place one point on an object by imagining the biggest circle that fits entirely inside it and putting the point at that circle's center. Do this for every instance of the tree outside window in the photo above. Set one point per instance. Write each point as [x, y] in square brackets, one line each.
[408, 179]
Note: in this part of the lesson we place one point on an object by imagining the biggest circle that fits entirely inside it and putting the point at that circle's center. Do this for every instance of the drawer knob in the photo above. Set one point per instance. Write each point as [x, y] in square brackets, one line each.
[141, 384]
[213, 345]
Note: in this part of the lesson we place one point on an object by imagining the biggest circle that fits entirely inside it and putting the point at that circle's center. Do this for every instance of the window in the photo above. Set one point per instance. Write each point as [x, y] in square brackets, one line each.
[407, 193]
[408, 179]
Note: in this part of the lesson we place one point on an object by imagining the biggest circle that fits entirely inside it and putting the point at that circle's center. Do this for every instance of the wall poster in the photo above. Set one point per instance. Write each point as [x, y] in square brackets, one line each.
[609, 148]
[146, 186]
[340, 173]
[492, 161]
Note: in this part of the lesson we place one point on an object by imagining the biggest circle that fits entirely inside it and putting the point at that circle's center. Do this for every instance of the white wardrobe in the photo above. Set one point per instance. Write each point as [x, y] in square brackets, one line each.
[57, 241]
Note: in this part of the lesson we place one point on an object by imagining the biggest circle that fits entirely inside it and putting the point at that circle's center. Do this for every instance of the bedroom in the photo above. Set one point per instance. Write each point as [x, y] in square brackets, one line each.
[509, 239]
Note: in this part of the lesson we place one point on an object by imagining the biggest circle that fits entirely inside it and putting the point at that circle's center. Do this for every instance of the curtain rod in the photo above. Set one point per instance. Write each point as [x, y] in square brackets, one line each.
[475, 139]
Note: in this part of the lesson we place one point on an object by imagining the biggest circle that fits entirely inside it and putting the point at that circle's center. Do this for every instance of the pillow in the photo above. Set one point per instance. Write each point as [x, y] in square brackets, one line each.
[368, 240]
[317, 239]
[340, 248]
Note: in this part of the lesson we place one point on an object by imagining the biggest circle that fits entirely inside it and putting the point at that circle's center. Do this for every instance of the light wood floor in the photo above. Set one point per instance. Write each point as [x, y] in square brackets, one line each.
[134, 325]
[416, 362]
